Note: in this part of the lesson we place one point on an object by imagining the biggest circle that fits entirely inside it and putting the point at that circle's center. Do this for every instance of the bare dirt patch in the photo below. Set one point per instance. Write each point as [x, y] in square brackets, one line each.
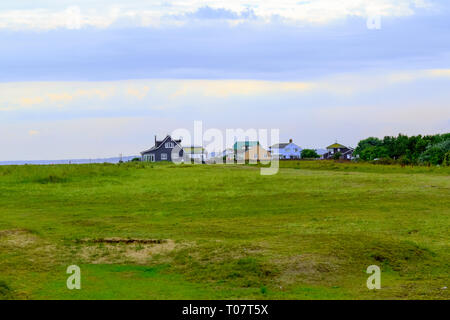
[308, 268]
[17, 238]
[123, 241]
[116, 250]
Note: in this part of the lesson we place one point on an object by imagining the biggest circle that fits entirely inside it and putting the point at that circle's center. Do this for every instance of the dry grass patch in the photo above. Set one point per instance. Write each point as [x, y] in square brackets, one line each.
[19, 238]
[111, 251]
[307, 268]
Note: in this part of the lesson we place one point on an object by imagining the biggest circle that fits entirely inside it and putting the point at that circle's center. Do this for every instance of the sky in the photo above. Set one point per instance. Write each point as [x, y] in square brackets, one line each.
[92, 79]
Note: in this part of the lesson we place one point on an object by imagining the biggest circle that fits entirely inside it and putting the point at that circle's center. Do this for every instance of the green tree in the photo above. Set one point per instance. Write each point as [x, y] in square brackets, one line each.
[408, 150]
[370, 148]
[436, 153]
[309, 154]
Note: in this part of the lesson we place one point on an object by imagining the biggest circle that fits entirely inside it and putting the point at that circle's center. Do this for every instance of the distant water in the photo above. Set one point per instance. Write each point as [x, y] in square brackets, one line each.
[68, 161]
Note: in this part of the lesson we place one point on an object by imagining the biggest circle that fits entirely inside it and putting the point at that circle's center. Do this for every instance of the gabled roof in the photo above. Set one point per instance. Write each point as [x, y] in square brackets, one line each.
[160, 143]
[241, 144]
[336, 145]
[283, 145]
[279, 145]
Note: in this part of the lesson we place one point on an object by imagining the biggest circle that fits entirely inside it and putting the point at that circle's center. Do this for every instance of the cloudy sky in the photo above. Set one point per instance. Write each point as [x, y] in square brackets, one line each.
[96, 78]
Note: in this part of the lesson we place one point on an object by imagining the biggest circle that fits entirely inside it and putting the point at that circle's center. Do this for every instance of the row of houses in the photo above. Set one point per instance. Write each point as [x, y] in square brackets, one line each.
[163, 150]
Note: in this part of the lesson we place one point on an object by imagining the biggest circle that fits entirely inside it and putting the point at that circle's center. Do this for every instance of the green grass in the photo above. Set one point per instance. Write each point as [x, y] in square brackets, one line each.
[308, 232]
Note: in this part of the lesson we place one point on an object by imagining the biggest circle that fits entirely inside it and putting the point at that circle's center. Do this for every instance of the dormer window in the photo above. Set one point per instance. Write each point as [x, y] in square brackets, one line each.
[169, 145]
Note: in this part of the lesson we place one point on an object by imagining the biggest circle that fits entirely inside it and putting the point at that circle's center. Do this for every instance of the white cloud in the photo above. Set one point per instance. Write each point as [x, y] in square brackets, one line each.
[161, 94]
[156, 13]
[45, 95]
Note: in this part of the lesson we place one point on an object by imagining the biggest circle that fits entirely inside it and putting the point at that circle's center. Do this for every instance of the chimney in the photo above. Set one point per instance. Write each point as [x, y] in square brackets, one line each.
[155, 139]
[290, 140]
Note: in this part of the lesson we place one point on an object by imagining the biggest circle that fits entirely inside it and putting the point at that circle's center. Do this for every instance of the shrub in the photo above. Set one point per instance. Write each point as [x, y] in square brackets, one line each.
[404, 161]
[309, 154]
[446, 160]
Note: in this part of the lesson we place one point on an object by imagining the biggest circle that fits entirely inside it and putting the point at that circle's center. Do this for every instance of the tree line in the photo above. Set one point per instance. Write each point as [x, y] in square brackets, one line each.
[429, 149]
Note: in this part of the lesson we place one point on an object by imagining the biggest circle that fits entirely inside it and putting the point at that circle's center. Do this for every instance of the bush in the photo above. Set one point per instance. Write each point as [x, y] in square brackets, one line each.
[309, 154]
[404, 161]
[446, 161]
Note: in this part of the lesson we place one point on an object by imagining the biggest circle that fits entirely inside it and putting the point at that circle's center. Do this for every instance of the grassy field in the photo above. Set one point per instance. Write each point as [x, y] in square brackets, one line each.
[224, 232]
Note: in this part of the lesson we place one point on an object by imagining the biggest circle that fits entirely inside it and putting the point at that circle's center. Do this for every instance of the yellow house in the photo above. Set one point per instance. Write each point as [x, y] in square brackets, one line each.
[256, 153]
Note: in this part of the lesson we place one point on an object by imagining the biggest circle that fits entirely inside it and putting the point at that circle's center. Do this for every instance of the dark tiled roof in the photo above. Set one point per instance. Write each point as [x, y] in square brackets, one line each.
[279, 145]
[158, 144]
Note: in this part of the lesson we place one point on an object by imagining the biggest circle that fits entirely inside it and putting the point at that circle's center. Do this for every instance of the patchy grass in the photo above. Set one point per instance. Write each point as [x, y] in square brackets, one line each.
[161, 231]
[348, 166]
[5, 291]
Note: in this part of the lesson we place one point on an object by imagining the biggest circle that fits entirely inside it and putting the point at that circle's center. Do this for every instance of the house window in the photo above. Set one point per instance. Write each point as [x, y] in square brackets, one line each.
[255, 156]
[163, 156]
[169, 145]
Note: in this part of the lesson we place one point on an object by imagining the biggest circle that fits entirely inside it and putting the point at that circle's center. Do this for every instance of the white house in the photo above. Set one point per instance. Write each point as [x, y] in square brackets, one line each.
[286, 150]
